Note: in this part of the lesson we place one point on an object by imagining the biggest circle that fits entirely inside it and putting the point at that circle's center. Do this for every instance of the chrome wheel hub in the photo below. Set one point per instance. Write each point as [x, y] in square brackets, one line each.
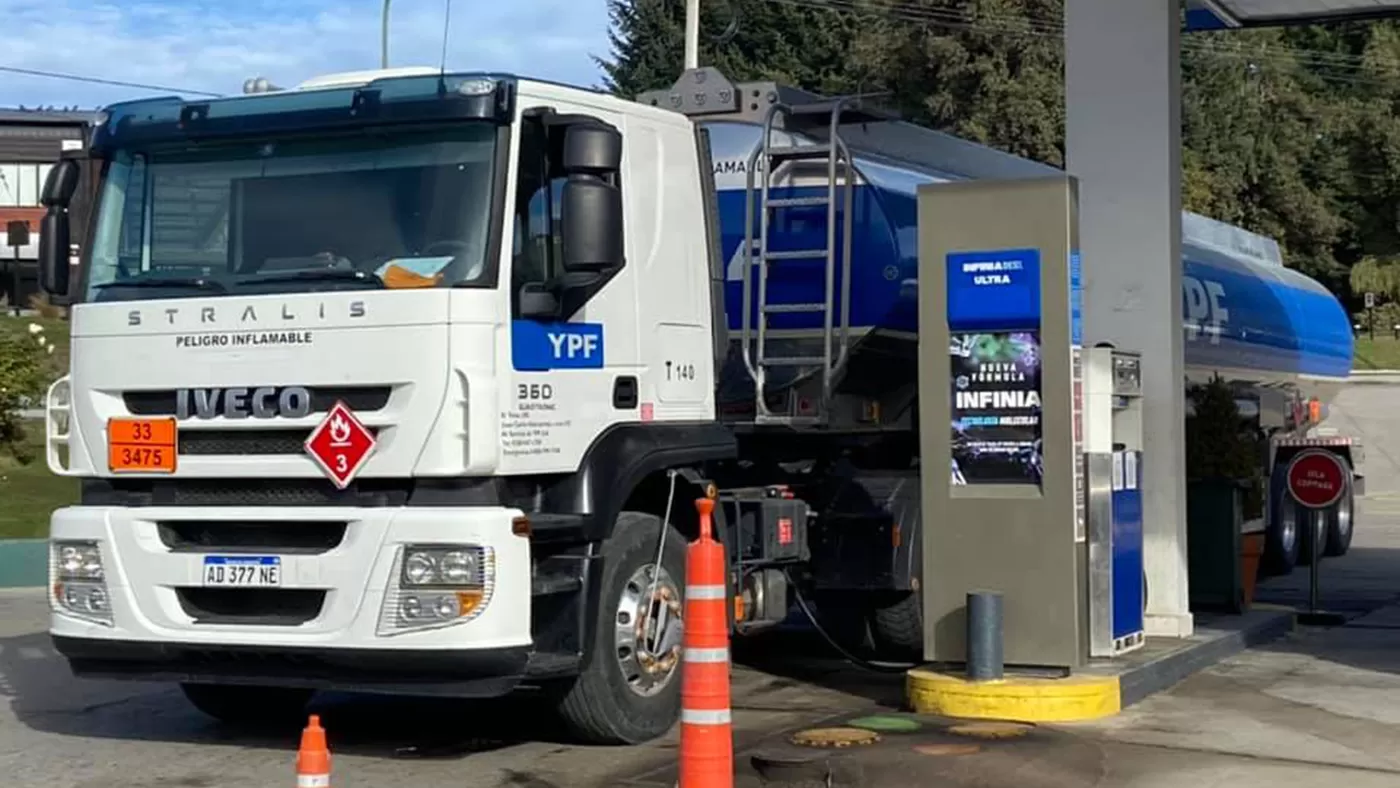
[647, 630]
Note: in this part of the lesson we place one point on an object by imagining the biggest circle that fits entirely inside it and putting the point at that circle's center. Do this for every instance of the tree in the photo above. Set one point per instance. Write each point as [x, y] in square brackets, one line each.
[997, 82]
[745, 39]
[22, 380]
[1293, 133]
[1258, 148]
[1374, 275]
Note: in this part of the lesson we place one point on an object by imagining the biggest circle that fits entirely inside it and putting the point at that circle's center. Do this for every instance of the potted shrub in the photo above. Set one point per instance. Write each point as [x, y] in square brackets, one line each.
[1225, 492]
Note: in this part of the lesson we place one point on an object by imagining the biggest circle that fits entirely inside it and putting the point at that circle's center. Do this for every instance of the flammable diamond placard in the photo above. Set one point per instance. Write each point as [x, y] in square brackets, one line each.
[340, 444]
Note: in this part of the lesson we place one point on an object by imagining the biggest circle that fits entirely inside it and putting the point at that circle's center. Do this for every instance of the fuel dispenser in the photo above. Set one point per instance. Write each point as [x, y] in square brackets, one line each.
[1113, 473]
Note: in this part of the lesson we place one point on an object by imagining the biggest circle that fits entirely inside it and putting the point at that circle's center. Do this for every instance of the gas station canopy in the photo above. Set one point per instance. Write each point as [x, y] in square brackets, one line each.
[1227, 14]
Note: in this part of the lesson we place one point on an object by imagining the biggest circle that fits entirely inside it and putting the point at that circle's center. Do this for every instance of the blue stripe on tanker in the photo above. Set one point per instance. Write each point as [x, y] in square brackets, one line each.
[1237, 312]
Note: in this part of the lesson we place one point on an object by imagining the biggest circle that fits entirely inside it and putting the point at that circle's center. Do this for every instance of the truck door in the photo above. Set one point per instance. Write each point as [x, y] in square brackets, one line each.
[573, 370]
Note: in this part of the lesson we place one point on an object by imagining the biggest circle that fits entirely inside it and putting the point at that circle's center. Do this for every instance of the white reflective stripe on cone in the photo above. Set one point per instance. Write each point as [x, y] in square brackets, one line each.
[698, 717]
[706, 655]
[704, 592]
[313, 781]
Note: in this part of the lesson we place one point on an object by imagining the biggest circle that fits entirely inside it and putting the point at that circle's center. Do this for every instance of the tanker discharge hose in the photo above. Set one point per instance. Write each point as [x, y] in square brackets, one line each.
[876, 667]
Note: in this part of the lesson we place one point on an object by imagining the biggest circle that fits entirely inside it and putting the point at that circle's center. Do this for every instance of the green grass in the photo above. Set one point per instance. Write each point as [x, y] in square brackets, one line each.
[1383, 353]
[54, 328]
[29, 493]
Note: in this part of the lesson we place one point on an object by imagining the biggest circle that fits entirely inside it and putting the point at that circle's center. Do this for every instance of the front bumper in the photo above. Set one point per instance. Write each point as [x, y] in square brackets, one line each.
[322, 627]
[473, 673]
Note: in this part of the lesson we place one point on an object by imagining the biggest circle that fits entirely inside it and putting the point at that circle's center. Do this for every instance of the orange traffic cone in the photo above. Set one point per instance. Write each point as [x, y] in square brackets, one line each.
[707, 742]
[313, 757]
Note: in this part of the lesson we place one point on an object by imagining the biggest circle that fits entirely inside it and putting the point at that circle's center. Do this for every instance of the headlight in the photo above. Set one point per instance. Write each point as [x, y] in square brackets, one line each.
[438, 585]
[439, 566]
[77, 580]
[77, 561]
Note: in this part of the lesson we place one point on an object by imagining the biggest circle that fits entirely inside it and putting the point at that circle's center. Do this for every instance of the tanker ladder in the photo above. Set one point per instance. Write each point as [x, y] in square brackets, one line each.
[835, 305]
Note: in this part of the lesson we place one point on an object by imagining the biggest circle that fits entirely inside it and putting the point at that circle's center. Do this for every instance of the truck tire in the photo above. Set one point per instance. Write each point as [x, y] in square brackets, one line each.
[898, 627]
[1284, 537]
[247, 706]
[1341, 524]
[615, 699]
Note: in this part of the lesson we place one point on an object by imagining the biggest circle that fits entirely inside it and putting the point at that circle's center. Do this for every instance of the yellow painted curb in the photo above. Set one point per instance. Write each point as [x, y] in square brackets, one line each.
[1017, 699]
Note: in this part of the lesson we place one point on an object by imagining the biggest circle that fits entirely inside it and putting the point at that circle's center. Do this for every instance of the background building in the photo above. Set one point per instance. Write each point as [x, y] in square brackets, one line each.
[30, 142]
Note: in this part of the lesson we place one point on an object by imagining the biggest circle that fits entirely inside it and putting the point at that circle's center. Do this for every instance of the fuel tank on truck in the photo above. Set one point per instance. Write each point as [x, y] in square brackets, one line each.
[1245, 316]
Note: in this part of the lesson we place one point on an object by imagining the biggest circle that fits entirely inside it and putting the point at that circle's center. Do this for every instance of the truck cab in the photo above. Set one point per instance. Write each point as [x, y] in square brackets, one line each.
[365, 377]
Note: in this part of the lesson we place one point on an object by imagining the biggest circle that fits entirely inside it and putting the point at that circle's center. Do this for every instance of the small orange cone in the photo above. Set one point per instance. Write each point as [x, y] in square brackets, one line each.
[313, 758]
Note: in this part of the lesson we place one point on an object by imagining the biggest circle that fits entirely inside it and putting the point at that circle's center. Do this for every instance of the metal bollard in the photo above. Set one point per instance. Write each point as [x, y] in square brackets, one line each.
[984, 655]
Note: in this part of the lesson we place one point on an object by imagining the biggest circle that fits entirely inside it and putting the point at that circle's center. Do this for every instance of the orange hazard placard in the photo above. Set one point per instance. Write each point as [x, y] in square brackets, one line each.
[141, 445]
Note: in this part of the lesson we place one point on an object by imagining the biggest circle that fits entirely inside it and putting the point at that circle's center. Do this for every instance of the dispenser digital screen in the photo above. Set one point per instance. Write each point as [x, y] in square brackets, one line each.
[996, 409]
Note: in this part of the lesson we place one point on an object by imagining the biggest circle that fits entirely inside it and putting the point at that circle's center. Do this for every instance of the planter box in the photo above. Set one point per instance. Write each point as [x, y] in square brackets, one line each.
[1223, 549]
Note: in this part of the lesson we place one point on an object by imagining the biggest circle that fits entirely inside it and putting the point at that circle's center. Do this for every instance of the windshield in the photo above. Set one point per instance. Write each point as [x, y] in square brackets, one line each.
[408, 209]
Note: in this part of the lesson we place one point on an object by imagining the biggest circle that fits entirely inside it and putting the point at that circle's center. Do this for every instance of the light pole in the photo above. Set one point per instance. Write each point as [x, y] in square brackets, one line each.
[692, 34]
[384, 37]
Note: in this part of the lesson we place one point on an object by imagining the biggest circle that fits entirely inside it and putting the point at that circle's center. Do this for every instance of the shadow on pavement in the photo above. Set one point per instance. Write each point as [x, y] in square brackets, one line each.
[1364, 586]
[46, 698]
[801, 656]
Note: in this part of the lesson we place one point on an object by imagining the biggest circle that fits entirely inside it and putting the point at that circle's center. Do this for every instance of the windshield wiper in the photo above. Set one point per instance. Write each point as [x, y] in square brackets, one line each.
[327, 275]
[166, 281]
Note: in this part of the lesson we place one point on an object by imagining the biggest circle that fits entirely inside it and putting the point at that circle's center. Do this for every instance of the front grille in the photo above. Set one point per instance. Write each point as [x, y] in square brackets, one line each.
[207, 443]
[185, 536]
[373, 493]
[287, 607]
[361, 399]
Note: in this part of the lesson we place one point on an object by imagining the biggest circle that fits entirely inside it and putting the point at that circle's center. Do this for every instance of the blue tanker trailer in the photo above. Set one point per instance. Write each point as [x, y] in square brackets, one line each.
[1281, 338]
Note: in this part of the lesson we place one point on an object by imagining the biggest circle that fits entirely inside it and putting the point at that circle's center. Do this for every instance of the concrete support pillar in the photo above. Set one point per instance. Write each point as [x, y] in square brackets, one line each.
[1123, 143]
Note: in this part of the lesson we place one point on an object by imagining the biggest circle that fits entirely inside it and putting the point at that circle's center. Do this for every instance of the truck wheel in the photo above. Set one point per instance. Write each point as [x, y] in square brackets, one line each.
[898, 628]
[624, 695]
[245, 706]
[1340, 525]
[1282, 545]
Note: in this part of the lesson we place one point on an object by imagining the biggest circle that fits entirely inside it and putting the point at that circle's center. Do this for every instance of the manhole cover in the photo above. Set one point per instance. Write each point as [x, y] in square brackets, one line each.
[886, 724]
[948, 749]
[990, 730]
[834, 737]
[791, 767]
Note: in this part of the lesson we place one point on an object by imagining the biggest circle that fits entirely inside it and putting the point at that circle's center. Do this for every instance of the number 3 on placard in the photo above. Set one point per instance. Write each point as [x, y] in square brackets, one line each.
[341, 465]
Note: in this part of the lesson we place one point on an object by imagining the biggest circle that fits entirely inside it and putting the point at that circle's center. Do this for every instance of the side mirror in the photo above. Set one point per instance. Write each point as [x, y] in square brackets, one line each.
[592, 149]
[54, 247]
[591, 224]
[61, 184]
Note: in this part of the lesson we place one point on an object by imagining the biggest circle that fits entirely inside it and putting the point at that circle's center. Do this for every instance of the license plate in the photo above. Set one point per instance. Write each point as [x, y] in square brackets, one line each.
[141, 445]
[243, 571]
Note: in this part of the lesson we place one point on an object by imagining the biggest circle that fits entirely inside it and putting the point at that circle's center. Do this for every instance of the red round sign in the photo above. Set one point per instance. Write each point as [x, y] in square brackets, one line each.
[1317, 479]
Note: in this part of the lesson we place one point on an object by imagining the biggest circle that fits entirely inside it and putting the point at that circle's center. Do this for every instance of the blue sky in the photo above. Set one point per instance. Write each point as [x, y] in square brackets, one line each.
[213, 45]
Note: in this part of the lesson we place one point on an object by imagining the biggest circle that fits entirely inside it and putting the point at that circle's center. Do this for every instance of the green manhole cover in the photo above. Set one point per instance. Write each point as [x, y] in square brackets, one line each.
[886, 724]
